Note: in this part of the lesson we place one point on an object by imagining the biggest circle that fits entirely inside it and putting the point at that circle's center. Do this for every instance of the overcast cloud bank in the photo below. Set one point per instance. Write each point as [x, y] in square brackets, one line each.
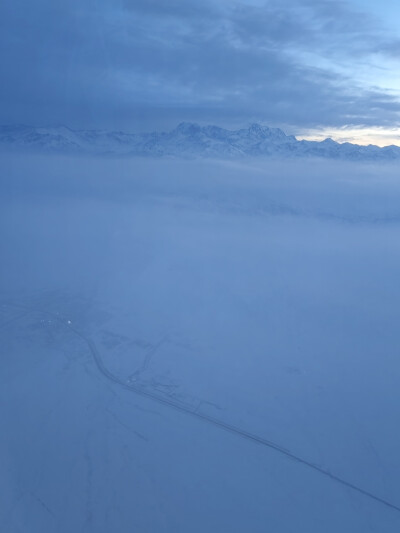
[151, 64]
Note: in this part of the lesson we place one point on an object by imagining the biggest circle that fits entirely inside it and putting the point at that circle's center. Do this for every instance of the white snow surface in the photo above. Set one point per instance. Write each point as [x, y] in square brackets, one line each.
[262, 295]
[187, 140]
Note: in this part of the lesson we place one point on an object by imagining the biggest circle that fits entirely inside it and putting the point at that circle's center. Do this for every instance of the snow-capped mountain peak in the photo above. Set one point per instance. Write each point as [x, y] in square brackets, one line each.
[186, 140]
[188, 128]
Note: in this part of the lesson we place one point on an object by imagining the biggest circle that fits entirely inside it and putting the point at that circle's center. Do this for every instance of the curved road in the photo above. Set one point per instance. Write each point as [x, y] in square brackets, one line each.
[205, 418]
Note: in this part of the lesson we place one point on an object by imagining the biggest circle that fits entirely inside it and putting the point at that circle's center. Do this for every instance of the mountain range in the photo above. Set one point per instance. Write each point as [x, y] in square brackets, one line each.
[186, 140]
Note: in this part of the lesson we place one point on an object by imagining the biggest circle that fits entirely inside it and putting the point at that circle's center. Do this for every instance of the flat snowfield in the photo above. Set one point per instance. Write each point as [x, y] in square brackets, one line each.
[199, 346]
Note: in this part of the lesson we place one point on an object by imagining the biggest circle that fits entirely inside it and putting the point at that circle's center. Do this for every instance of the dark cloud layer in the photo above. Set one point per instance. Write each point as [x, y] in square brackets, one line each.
[148, 63]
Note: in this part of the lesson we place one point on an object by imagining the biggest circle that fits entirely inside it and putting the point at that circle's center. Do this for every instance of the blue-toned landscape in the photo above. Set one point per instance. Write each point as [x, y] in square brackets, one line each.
[199, 346]
[199, 262]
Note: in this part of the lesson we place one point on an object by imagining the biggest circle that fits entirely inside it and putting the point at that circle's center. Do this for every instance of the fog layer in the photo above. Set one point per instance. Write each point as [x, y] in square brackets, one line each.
[263, 295]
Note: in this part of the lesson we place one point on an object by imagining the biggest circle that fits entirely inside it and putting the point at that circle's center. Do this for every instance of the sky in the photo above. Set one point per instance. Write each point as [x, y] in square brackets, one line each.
[312, 67]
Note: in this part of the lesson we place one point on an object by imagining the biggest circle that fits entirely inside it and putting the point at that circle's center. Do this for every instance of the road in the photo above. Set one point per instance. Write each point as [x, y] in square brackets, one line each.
[134, 388]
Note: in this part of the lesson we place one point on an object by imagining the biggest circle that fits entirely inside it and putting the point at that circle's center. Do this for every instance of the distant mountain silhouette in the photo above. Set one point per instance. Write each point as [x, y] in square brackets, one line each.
[186, 140]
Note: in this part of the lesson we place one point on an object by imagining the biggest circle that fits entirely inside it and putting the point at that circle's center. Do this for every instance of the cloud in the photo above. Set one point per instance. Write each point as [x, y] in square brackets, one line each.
[144, 63]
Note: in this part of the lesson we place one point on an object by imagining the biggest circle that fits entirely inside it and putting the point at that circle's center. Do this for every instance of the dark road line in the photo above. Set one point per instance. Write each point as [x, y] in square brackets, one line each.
[206, 418]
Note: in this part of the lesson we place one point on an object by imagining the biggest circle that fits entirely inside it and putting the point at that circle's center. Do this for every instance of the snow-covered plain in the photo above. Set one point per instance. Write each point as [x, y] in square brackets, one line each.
[260, 294]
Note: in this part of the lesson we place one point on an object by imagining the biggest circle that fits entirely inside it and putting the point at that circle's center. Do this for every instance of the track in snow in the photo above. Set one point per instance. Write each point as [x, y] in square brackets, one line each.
[195, 414]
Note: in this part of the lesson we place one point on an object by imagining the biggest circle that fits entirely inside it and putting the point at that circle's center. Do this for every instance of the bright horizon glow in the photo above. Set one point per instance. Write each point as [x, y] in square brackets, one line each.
[363, 135]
